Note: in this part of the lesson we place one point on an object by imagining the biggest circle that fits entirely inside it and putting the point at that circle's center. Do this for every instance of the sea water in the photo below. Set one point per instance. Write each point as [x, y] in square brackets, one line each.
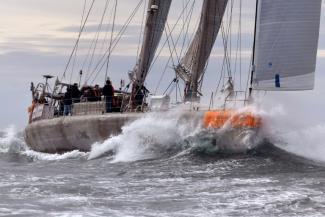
[157, 167]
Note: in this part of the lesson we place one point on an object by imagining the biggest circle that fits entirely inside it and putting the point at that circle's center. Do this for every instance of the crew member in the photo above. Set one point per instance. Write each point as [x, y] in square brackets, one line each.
[67, 102]
[108, 92]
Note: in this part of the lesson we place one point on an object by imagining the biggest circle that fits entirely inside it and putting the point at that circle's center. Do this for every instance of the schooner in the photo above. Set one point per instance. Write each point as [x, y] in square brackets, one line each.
[283, 59]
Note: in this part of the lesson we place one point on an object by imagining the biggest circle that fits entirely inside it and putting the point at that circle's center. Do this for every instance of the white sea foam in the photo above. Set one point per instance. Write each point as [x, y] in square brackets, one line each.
[10, 142]
[147, 137]
[308, 142]
[157, 133]
[294, 133]
[54, 157]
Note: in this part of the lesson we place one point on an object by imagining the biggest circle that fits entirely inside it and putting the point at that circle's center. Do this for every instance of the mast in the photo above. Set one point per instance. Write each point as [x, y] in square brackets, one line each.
[191, 67]
[155, 23]
[254, 47]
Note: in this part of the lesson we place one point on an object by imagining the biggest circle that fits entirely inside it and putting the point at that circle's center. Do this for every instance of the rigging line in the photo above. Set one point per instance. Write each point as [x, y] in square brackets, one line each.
[170, 84]
[115, 42]
[111, 40]
[99, 29]
[224, 64]
[226, 44]
[240, 42]
[225, 37]
[141, 30]
[219, 83]
[169, 47]
[100, 63]
[187, 30]
[77, 42]
[184, 23]
[75, 53]
[229, 40]
[172, 42]
[179, 36]
[91, 46]
[254, 47]
[237, 50]
[165, 42]
[230, 34]
[169, 59]
[104, 41]
[248, 78]
[221, 76]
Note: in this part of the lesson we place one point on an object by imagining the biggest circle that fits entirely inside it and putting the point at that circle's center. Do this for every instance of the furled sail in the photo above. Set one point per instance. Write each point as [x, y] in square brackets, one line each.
[192, 65]
[155, 23]
[286, 44]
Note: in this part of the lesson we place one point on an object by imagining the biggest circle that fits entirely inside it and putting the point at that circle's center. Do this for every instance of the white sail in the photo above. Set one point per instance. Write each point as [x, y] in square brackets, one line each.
[191, 67]
[286, 44]
[156, 19]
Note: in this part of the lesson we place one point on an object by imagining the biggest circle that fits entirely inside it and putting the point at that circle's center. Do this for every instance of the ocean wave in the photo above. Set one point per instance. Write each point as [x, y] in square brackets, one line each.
[54, 157]
[156, 135]
[12, 142]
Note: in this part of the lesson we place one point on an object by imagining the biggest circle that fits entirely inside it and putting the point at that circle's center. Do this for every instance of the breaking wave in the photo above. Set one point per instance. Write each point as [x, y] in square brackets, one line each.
[54, 157]
[174, 134]
[156, 135]
[12, 142]
[308, 142]
[293, 134]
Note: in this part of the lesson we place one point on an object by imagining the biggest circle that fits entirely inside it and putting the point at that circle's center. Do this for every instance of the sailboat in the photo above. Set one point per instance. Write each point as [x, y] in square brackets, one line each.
[284, 59]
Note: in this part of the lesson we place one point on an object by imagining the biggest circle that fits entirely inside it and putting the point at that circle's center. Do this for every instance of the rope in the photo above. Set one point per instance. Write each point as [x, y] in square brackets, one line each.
[97, 34]
[141, 30]
[111, 40]
[100, 65]
[166, 41]
[187, 28]
[75, 53]
[78, 39]
[238, 49]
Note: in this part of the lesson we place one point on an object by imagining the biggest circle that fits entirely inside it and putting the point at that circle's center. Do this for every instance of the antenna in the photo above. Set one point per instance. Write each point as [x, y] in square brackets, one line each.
[80, 77]
[47, 77]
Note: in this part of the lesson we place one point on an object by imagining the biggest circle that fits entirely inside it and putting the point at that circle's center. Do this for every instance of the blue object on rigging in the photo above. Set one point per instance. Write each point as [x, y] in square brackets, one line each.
[277, 81]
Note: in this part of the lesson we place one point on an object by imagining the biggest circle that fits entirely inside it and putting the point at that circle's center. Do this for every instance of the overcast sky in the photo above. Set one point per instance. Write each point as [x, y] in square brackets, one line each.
[37, 36]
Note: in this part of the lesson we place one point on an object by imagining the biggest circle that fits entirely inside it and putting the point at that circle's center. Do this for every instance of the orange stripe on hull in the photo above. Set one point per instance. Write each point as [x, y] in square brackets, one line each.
[219, 118]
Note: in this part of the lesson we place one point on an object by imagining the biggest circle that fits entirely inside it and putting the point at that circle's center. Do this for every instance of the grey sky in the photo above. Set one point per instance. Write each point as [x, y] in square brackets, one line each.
[36, 38]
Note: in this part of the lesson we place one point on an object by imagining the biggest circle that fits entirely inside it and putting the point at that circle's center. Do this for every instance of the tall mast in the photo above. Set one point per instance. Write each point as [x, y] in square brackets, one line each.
[254, 47]
[191, 67]
[155, 23]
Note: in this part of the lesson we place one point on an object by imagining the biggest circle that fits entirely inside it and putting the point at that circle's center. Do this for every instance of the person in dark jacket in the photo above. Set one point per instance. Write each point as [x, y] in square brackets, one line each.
[67, 102]
[75, 93]
[139, 94]
[108, 92]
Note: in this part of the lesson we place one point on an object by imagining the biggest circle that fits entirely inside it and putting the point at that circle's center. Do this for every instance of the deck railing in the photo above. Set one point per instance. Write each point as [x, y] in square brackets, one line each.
[84, 106]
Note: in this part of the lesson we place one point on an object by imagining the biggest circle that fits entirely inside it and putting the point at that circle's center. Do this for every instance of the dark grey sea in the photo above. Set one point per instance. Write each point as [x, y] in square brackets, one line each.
[193, 181]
